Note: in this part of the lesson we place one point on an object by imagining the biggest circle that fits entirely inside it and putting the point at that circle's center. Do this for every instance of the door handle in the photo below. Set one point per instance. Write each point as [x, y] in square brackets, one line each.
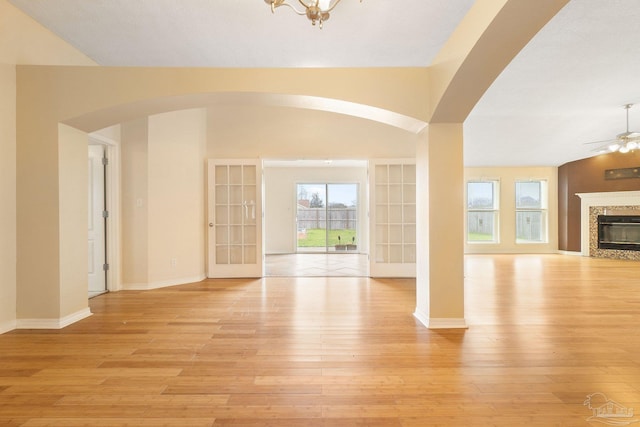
[210, 224]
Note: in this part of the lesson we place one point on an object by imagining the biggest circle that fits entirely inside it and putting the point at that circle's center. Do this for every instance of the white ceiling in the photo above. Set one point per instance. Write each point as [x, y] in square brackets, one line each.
[567, 87]
[244, 33]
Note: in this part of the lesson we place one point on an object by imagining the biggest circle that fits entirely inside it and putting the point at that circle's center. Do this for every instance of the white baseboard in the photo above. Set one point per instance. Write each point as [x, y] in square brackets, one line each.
[422, 317]
[448, 323]
[161, 284]
[7, 326]
[53, 323]
[440, 323]
[574, 253]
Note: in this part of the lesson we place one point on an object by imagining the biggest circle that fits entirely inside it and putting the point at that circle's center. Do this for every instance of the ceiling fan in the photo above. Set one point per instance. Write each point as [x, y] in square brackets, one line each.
[623, 142]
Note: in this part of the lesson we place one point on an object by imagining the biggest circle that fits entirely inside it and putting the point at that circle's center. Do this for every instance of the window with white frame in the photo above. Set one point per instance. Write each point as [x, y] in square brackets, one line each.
[482, 211]
[531, 211]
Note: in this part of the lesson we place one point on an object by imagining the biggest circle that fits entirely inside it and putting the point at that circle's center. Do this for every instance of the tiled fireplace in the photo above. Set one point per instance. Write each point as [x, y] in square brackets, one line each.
[619, 203]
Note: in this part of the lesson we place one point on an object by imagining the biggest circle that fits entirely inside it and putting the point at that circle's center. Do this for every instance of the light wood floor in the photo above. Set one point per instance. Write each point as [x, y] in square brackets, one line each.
[545, 332]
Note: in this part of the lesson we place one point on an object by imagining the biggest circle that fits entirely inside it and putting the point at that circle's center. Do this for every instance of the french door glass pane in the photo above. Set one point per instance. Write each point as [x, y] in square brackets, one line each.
[311, 217]
[342, 214]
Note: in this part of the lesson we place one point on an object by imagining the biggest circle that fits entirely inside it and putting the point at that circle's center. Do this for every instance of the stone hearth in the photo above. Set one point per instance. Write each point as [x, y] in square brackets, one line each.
[594, 251]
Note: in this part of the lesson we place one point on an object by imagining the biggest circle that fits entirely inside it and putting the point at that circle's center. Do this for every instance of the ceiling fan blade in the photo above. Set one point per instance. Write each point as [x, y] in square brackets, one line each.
[604, 141]
[606, 148]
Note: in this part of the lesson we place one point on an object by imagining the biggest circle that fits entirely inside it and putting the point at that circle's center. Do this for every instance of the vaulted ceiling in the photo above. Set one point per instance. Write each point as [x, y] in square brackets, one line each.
[567, 87]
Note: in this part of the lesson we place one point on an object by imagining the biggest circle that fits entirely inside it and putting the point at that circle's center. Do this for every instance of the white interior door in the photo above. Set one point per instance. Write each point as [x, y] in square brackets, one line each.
[235, 218]
[97, 260]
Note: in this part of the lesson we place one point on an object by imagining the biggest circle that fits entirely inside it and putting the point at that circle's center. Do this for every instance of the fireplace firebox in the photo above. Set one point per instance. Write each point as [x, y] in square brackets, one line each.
[620, 232]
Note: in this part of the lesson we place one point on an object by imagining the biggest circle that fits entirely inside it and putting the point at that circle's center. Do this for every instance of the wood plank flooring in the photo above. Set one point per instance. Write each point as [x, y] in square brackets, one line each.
[545, 332]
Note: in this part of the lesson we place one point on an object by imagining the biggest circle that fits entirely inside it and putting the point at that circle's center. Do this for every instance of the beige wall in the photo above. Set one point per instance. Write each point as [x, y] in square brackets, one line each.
[289, 133]
[7, 197]
[507, 218]
[134, 170]
[177, 144]
[74, 223]
[163, 193]
[22, 41]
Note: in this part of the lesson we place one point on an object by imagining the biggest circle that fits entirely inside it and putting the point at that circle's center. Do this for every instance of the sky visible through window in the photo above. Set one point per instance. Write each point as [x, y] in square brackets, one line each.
[480, 195]
[346, 194]
[528, 194]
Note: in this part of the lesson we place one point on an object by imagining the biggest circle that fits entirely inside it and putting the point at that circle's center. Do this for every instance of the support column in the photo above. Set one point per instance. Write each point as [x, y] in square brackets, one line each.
[440, 230]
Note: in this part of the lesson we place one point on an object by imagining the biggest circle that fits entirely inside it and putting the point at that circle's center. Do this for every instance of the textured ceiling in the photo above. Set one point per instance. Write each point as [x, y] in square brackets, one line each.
[244, 33]
[567, 87]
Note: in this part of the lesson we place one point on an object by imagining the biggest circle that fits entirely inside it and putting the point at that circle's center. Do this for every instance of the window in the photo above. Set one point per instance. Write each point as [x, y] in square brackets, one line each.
[327, 217]
[482, 211]
[531, 212]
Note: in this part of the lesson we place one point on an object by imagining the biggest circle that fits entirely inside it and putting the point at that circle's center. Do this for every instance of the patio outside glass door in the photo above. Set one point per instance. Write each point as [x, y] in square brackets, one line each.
[327, 217]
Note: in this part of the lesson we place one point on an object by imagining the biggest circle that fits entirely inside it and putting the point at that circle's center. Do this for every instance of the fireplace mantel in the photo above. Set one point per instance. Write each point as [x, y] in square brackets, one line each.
[589, 200]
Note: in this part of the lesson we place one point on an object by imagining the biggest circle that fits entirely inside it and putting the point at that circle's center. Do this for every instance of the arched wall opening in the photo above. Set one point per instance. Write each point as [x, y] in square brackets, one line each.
[289, 122]
[50, 97]
[163, 155]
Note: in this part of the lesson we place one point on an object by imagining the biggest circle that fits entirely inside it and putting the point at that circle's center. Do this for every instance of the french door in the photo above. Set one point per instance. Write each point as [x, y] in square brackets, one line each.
[393, 218]
[327, 217]
[235, 218]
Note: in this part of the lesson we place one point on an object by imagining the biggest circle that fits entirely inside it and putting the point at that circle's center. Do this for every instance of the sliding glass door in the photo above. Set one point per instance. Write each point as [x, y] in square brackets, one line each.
[327, 217]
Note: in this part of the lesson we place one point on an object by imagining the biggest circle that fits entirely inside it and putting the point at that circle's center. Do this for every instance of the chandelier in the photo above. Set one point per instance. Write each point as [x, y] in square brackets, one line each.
[316, 10]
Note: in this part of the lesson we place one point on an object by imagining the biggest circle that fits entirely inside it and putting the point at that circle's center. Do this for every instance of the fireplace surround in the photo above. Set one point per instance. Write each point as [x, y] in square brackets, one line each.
[616, 203]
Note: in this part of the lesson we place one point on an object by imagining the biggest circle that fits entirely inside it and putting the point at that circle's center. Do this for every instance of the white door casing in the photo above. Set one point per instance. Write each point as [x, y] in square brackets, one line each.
[97, 236]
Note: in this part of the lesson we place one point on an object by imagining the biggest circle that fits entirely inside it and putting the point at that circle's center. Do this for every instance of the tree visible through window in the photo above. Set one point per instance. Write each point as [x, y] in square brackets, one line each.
[482, 211]
[531, 211]
[316, 201]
